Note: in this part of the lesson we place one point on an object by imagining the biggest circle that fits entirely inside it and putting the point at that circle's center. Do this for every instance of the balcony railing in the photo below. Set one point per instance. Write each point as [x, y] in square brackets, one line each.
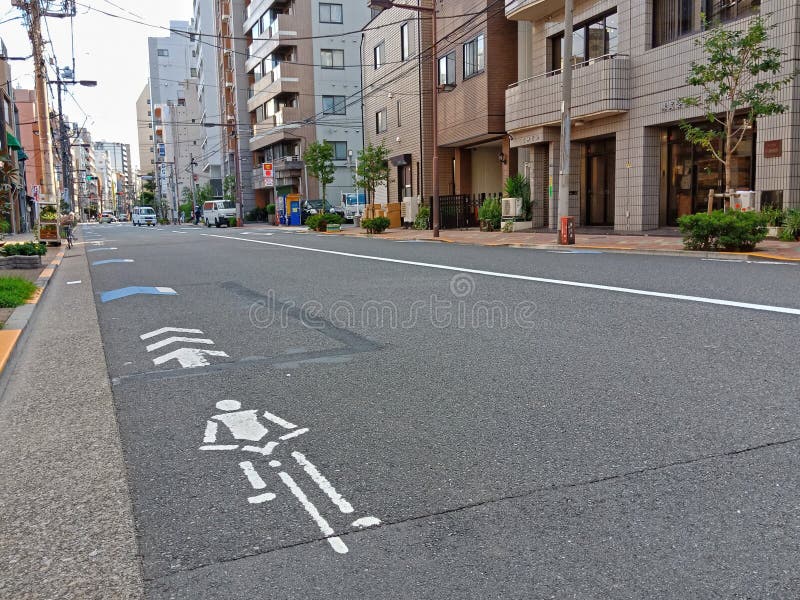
[600, 86]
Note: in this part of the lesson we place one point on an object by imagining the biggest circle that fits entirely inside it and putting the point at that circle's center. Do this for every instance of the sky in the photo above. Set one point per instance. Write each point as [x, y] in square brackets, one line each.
[107, 49]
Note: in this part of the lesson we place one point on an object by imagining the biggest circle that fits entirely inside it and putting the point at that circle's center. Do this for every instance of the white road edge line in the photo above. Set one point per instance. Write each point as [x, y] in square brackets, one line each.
[577, 284]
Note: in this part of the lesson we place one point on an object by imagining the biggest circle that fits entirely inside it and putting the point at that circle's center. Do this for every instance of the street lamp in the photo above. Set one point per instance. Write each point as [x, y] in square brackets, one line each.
[384, 4]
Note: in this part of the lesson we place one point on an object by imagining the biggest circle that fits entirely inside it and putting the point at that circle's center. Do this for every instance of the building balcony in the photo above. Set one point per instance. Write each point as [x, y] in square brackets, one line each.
[267, 133]
[281, 32]
[600, 87]
[284, 78]
[531, 10]
[287, 171]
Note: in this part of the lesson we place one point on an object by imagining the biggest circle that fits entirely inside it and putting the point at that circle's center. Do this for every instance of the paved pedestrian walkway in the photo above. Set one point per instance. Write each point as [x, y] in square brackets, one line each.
[642, 244]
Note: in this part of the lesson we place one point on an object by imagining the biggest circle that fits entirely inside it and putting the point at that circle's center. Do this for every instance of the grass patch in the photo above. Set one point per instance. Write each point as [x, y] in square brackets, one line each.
[15, 291]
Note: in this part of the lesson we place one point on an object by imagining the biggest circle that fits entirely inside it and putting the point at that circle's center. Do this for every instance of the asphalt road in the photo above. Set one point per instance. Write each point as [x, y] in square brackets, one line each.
[493, 423]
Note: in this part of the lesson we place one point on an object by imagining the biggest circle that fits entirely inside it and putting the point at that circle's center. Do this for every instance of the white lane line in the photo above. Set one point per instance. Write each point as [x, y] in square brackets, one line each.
[253, 477]
[321, 481]
[293, 434]
[336, 543]
[261, 498]
[577, 284]
[73, 282]
[278, 421]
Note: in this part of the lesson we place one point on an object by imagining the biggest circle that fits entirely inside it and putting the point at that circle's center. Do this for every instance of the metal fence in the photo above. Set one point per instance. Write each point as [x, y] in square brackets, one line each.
[460, 211]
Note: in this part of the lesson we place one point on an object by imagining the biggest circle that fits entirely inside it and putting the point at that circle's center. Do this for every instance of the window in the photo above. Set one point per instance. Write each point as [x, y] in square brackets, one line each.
[447, 69]
[380, 121]
[590, 40]
[334, 105]
[330, 13]
[378, 54]
[399, 120]
[193, 72]
[405, 47]
[728, 10]
[339, 150]
[163, 52]
[671, 20]
[332, 59]
[474, 56]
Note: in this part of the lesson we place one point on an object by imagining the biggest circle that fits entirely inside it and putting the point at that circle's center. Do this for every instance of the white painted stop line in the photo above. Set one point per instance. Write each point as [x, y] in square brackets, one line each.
[577, 284]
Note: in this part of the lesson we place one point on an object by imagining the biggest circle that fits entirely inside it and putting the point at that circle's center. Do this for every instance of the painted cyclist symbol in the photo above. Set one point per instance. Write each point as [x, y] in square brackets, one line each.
[247, 434]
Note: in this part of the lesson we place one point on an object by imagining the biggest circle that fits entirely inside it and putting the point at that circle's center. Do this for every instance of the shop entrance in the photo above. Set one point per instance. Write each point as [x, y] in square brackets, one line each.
[600, 168]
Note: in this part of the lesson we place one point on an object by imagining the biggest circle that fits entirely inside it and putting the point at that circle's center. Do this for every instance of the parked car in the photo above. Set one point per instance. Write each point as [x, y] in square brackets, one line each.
[314, 207]
[108, 217]
[217, 212]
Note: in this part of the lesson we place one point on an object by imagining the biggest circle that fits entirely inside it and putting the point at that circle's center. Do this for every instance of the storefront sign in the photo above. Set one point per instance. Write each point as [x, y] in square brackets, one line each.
[773, 149]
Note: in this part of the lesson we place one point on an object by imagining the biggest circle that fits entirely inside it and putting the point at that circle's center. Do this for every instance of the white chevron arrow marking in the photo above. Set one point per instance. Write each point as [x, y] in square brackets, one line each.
[158, 332]
[172, 340]
[189, 357]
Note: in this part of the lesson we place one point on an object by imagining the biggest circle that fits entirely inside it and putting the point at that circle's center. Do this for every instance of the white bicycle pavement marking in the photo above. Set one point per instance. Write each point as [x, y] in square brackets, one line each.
[245, 426]
[176, 339]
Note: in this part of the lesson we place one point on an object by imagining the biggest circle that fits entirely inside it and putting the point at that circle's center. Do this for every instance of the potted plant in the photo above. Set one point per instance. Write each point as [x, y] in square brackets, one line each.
[775, 219]
[271, 214]
[489, 214]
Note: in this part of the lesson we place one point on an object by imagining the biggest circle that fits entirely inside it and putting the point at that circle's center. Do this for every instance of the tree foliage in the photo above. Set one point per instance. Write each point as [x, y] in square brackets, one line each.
[319, 162]
[373, 169]
[739, 82]
[229, 188]
[147, 197]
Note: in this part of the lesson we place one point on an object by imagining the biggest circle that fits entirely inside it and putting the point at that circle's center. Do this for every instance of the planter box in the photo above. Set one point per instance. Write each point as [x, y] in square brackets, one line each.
[774, 232]
[20, 262]
[518, 225]
[334, 227]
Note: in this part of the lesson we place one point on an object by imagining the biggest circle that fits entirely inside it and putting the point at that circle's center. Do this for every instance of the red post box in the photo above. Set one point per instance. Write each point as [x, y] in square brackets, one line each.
[566, 235]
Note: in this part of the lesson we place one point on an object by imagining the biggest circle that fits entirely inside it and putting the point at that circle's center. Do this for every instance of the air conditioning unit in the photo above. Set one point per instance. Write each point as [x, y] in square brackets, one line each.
[409, 209]
[512, 207]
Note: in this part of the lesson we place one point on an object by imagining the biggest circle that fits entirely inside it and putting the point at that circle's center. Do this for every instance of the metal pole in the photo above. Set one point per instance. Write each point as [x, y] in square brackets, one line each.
[237, 169]
[566, 102]
[194, 186]
[435, 112]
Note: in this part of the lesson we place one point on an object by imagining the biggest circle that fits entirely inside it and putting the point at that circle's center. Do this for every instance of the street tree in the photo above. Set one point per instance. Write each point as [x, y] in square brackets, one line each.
[229, 188]
[147, 196]
[739, 82]
[319, 162]
[373, 169]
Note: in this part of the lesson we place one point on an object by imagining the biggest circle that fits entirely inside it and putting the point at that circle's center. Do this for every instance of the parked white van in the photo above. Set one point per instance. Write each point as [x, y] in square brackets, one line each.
[217, 212]
[143, 215]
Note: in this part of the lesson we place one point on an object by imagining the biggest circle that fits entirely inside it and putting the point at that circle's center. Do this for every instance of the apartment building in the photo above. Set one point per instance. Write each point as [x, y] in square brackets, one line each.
[87, 190]
[144, 125]
[305, 73]
[206, 70]
[234, 89]
[632, 168]
[397, 92]
[28, 136]
[114, 169]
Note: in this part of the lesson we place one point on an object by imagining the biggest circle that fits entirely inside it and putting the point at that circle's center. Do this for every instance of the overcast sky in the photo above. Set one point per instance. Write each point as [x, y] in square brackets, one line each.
[109, 50]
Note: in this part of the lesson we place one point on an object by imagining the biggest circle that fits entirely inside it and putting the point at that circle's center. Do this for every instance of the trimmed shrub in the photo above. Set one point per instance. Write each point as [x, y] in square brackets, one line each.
[270, 209]
[315, 222]
[423, 217]
[732, 230]
[489, 214]
[791, 226]
[376, 225]
[24, 249]
[231, 221]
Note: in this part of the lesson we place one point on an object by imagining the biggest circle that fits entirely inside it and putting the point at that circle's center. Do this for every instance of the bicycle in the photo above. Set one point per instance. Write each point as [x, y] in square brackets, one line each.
[70, 237]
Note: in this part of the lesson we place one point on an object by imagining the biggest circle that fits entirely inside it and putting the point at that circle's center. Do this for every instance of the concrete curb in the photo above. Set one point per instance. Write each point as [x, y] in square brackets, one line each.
[19, 319]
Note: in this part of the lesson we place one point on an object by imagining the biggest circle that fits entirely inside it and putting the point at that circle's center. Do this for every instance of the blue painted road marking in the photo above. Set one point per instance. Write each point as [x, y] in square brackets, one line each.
[134, 290]
[112, 260]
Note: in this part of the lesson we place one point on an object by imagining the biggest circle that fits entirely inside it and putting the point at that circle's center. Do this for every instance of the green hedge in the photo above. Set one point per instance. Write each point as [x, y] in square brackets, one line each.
[24, 249]
[314, 221]
[376, 225]
[732, 230]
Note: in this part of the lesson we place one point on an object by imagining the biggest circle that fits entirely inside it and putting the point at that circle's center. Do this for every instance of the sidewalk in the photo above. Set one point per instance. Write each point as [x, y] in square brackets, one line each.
[634, 244]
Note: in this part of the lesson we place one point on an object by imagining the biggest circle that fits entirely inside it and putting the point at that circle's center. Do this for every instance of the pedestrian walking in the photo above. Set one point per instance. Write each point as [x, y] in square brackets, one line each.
[196, 215]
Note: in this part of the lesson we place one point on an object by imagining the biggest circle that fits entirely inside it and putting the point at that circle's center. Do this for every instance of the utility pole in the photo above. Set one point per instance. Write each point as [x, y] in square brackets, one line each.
[192, 165]
[566, 105]
[43, 110]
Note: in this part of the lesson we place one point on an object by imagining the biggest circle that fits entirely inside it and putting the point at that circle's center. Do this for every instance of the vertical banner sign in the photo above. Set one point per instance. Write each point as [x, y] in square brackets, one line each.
[162, 150]
[269, 180]
[35, 192]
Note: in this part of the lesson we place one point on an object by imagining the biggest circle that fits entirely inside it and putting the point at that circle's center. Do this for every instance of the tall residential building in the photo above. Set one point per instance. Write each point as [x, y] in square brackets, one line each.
[631, 166]
[209, 161]
[171, 62]
[87, 189]
[118, 174]
[144, 124]
[476, 60]
[180, 133]
[304, 69]
[26, 105]
[234, 89]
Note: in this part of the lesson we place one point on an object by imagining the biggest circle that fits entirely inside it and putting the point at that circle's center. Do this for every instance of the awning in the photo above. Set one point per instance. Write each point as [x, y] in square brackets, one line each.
[21, 155]
[400, 160]
[13, 142]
